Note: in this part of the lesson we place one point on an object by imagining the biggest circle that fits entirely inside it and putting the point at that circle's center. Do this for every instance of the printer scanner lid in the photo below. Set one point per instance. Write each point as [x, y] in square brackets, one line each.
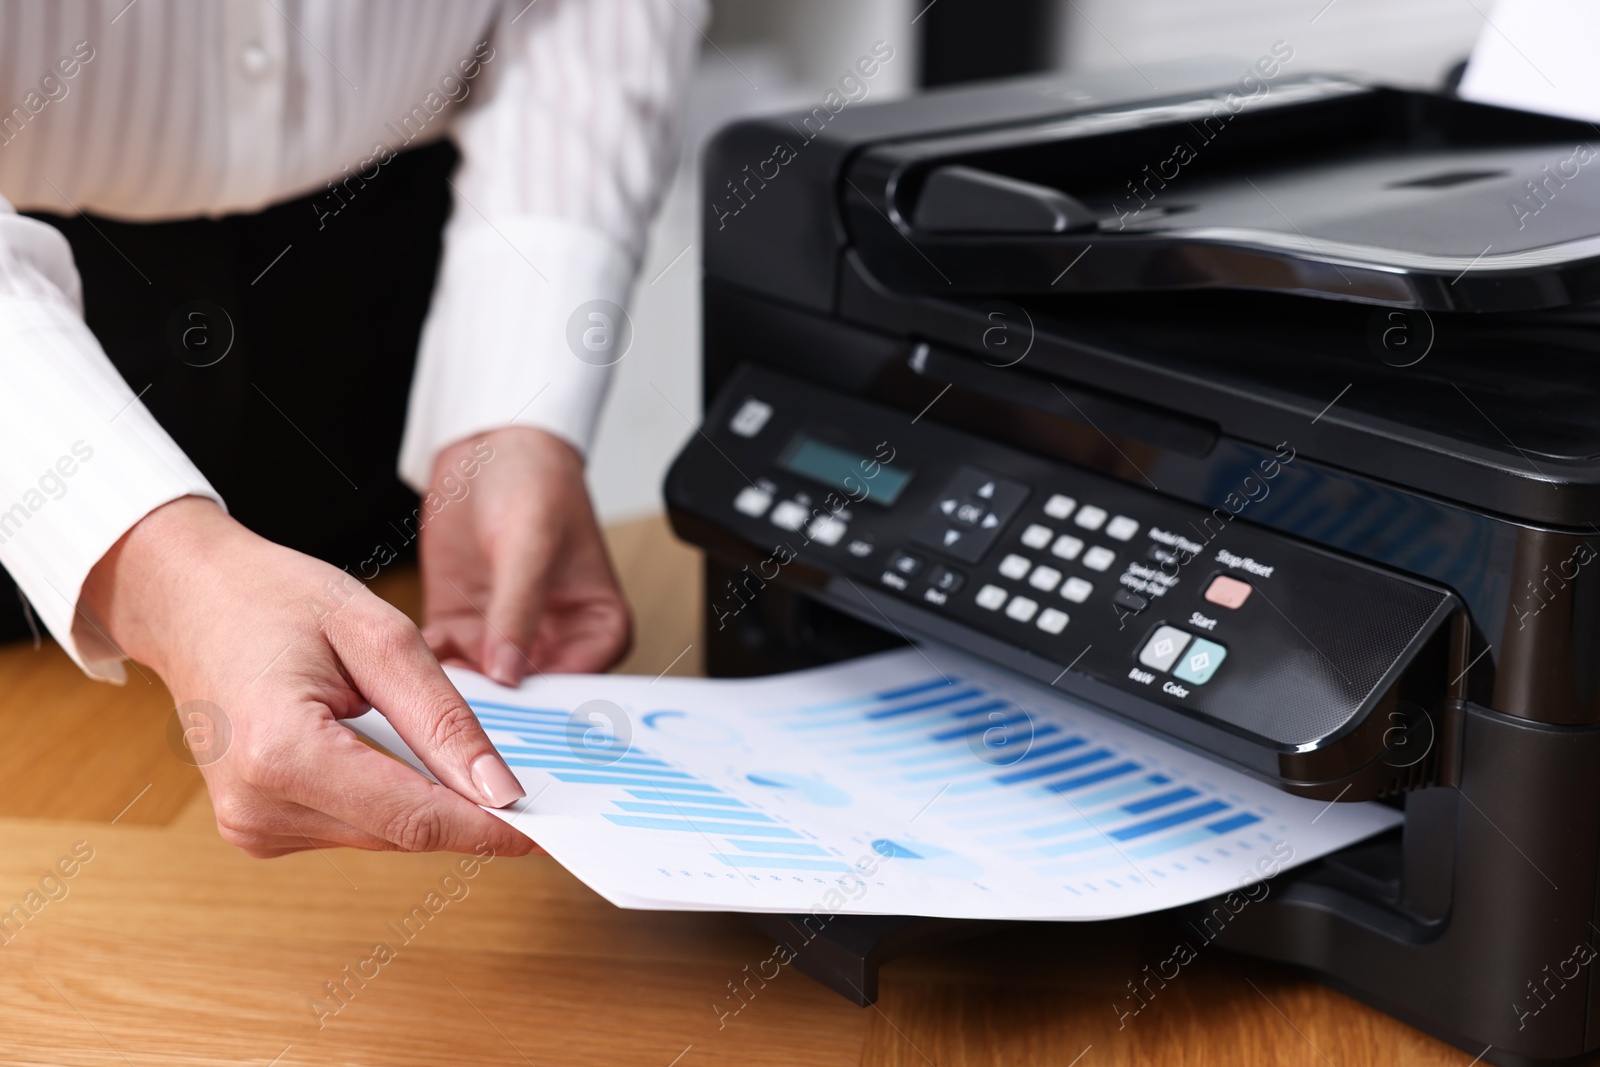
[1314, 186]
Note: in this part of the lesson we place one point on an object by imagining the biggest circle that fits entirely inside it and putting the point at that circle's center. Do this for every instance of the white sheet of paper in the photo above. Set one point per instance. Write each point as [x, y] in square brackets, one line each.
[915, 782]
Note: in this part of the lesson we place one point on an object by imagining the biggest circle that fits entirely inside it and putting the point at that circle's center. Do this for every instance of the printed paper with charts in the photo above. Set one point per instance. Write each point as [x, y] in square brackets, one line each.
[915, 782]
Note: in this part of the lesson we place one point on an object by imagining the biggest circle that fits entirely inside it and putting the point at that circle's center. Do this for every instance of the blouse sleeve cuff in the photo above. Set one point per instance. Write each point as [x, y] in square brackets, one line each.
[526, 323]
[84, 460]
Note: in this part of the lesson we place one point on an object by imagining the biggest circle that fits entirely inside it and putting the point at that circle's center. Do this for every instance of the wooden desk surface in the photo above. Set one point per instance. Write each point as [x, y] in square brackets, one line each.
[168, 947]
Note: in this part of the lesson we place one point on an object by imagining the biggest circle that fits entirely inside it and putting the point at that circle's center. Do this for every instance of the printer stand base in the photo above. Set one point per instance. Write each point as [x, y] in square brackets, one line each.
[844, 952]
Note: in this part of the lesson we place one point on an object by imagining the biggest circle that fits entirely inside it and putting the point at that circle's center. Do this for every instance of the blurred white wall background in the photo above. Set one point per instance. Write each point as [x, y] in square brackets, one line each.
[766, 55]
[1401, 41]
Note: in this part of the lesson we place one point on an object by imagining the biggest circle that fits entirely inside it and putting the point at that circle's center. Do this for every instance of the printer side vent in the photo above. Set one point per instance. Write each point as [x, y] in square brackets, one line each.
[1406, 779]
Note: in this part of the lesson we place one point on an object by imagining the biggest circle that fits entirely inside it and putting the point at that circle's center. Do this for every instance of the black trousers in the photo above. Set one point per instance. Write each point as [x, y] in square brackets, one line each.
[277, 348]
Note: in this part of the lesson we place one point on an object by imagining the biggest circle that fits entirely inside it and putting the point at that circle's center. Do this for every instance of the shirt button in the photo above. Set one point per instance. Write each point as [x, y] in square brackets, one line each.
[254, 59]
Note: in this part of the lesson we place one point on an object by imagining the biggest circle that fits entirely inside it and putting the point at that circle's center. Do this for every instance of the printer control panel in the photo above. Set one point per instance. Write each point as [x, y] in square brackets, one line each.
[1232, 625]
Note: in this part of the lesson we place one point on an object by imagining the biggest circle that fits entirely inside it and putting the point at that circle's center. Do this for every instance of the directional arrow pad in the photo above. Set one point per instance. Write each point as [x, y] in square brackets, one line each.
[971, 513]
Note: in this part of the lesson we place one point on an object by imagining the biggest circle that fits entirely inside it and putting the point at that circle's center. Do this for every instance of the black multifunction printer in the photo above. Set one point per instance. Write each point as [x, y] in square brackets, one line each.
[1303, 368]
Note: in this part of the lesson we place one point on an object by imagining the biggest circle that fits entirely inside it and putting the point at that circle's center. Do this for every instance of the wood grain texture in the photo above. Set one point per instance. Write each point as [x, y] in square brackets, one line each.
[168, 947]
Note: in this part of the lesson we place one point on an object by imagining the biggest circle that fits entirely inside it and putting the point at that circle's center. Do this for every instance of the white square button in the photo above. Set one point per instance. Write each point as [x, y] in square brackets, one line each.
[1059, 507]
[1036, 536]
[1163, 648]
[990, 597]
[1021, 608]
[1045, 578]
[752, 501]
[1066, 547]
[751, 416]
[1122, 528]
[1015, 567]
[1090, 517]
[789, 515]
[1052, 621]
[1099, 558]
[826, 529]
[1077, 590]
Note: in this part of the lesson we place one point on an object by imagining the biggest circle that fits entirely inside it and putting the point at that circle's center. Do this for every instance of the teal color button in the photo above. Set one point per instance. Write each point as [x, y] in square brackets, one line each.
[1200, 662]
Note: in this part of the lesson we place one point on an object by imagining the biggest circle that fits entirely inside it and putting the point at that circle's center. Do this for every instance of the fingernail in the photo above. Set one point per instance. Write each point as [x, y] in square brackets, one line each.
[495, 781]
[506, 668]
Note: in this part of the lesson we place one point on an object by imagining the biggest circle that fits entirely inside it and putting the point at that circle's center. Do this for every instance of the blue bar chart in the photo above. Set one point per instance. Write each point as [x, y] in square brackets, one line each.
[650, 795]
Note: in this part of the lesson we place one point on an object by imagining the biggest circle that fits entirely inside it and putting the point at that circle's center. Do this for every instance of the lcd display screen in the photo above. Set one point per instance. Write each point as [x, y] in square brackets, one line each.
[862, 478]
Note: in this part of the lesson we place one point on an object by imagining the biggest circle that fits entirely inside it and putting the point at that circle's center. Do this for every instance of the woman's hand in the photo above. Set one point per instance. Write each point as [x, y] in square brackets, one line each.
[286, 646]
[515, 576]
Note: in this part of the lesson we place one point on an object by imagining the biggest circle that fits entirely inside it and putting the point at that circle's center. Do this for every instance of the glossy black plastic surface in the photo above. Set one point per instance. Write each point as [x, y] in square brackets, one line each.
[1315, 186]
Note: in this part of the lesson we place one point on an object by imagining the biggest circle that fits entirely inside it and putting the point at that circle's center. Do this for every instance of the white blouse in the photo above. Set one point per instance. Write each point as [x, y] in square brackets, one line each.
[564, 112]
